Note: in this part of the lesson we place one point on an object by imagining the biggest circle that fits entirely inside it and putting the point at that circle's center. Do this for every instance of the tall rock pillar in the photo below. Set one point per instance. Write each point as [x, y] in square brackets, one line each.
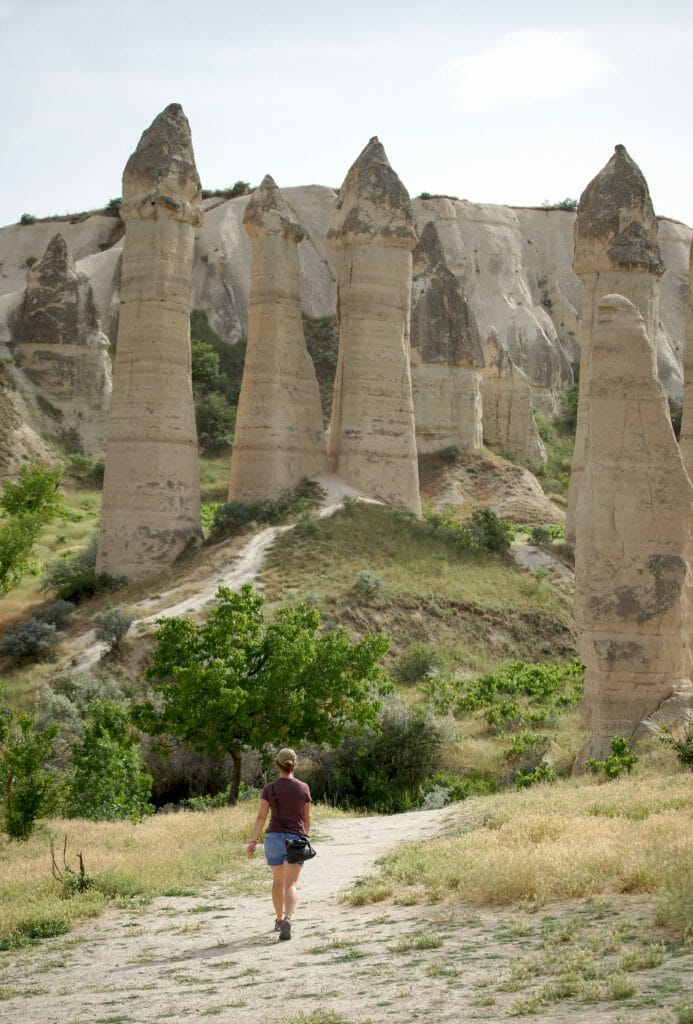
[446, 353]
[372, 442]
[687, 418]
[616, 251]
[279, 437]
[634, 537]
[151, 497]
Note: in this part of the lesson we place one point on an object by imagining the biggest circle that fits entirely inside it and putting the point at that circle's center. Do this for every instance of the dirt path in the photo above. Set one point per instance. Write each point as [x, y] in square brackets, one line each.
[215, 954]
[244, 566]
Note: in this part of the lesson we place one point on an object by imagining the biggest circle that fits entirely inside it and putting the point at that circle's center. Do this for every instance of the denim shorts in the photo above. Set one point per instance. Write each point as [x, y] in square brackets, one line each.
[275, 850]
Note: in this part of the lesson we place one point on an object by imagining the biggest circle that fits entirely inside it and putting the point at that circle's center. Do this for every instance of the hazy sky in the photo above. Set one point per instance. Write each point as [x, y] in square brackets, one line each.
[500, 101]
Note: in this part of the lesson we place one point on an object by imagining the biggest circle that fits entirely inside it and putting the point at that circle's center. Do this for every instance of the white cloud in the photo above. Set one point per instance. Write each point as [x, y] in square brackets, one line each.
[526, 65]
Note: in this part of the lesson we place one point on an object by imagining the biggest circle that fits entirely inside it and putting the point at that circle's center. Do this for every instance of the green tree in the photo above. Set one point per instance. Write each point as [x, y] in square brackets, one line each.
[240, 683]
[109, 779]
[26, 506]
[27, 785]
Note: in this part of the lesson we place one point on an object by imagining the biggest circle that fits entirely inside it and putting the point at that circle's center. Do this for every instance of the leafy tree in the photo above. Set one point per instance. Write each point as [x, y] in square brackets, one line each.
[238, 682]
[206, 369]
[215, 420]
[112, 625]
[26, 507]
[109, 779]
[26, 784]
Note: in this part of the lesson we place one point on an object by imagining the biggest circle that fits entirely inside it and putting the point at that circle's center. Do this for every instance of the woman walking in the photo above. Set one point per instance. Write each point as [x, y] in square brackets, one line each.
[289, 799]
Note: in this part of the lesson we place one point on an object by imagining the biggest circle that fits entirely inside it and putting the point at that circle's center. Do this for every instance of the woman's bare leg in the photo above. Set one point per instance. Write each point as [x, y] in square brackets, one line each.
[290, 894]
[278, 890]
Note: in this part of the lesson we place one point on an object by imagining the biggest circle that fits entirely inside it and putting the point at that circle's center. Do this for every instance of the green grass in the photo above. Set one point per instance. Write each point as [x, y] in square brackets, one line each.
[482, 608]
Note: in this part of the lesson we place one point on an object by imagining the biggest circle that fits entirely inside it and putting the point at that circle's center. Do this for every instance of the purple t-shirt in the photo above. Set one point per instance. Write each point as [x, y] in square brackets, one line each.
[287, 798]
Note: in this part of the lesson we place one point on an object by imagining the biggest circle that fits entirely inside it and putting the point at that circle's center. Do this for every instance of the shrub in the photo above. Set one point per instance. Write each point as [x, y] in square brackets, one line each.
[522, 693]
[368, 584]
[382, 769]
[417, 661]
[27, 218]
[451, 453]
[215, 420]
[29, 640]
[619, 761]
[85, 471]
[483, 532]
[492, 533]
[59, 613]
[541, 535]
[231, 518]
[112, 625]
[109, 780]
[679, 737]
[115, 204]
[25, 783]
[74, 577]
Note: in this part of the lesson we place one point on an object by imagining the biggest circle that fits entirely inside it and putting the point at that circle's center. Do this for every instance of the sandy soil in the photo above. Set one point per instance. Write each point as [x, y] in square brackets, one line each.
[216, 954]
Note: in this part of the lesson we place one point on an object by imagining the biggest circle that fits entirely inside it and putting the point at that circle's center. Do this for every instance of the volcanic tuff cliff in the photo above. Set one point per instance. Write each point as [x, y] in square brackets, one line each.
[513, 265]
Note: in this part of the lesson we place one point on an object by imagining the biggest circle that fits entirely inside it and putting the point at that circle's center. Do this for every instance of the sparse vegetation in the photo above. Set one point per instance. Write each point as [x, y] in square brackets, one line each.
[620, 760]
[112, 625]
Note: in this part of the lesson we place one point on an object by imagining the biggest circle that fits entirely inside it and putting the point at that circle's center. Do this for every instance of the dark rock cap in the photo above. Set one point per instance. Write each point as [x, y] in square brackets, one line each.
[617, 205]
[268, 213]
[373, 205]
[443, 326]
[162, 172]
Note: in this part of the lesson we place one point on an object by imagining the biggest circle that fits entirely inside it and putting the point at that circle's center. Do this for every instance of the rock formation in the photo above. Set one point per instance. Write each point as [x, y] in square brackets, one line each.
[687, 418]
[151, 497]
[508, 420]
[445, 353]
[634, 537]
[279, 430]
[616, 251]
[372, 443]
[59, 346]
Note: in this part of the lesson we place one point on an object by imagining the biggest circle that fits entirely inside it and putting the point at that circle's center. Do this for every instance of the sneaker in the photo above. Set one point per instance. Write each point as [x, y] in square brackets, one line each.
[277, 925]
[285, 929]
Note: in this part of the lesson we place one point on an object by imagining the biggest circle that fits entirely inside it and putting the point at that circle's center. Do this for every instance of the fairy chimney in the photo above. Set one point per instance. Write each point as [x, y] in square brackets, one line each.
[446, 353]
[279, 436]
[634, 537]
[151, 497]
[60, 347]
[508, 420]
[372, 442]
[616, 251]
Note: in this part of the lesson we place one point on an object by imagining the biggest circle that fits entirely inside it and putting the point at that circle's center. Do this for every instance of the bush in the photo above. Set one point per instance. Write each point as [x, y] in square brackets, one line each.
[679, 738]
[540, 535]
[26, 785]
[522, 694]
[215, 420]
[85, 471]
[483, 532]
[619, 761]
[109, 780]
[29, 640]
[112, 625]
[451, 453]
[27, 218]
[59, 613]
[418, 661]
[231, 518]
[382, 769]
[368, 584]
[74, 577]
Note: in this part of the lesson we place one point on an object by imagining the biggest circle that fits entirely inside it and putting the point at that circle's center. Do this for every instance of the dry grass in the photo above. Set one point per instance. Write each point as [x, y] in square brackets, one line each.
[167, 854]
[573, 839]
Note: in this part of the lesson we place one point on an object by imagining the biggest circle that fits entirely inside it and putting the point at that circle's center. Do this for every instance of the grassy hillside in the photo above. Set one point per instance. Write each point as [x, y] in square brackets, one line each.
[480, 607]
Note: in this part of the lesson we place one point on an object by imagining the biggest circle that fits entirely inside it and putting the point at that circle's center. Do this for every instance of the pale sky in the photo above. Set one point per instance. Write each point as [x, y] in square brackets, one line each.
[501, 101]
